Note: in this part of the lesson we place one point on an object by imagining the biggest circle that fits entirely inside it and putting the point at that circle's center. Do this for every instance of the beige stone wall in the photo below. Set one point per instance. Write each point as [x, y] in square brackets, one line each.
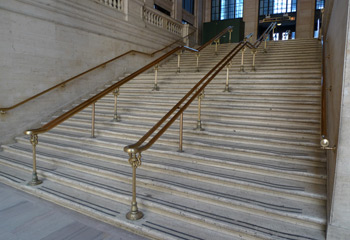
[206, 10]
[305, 19]
[337, 77]
[42, 45]
[250, 17]
[178, 10]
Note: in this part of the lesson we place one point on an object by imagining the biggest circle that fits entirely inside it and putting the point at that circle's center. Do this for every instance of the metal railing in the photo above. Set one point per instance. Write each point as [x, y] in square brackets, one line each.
[324, 140]
[91, 101]
[5, 109]
[135, 150]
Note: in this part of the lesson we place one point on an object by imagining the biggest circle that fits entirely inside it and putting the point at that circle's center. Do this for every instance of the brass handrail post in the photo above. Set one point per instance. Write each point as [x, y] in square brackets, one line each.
[181, 131]
[254, 51]
[199, 122]
[178, 61]
[156, 87]
[93, 120]
[116, 117]
[242, 60]
[35, 181]
[229, 37]
[265, 45]
[227, 87]
[197, 56]
[135, 161]
[217, 41]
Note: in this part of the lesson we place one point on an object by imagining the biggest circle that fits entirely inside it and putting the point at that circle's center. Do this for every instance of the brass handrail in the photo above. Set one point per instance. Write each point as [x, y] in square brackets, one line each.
[4, 110]
[98, 96]
[91, 101]
[228, 29]
[265, 34]
[137, 148]
[324, 140]
[323, 100]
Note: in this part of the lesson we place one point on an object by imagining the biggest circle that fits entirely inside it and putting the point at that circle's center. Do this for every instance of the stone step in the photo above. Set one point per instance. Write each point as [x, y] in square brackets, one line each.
[266, 131]
[196, 141]
[233, 86]
[136, 129]
[62, 182]
[301, 116]
[103, 207]
[267, 105]
[289, 140]
[156, 97]
[270, 185]
[228, 194]
[256, 172]
[238, 75]
[214, 174]
[300, 124]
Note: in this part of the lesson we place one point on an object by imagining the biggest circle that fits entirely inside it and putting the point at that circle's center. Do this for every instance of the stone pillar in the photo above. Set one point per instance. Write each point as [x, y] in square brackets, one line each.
[199, 14]
[206, 10]
[250, 17]
[178, 10]
[305, 19]
[185, 32]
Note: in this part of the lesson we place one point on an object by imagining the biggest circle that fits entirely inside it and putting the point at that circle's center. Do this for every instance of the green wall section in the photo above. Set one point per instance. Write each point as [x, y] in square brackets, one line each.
[213, 28]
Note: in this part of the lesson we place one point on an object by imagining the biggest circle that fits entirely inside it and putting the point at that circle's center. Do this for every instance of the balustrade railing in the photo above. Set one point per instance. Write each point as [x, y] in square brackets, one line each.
[161, 20]
[117, 4]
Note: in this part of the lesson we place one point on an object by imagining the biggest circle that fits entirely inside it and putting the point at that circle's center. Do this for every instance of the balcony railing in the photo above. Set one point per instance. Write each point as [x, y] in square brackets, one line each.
[161, 20]
[117, 4]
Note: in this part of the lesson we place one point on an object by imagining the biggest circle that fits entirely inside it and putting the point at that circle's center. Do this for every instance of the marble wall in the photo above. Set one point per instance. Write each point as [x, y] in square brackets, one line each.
[43, 43]
[337, 79]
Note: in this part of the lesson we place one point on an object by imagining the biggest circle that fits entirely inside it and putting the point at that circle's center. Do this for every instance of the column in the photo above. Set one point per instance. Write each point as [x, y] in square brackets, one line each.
[250, 17]
[305, 19]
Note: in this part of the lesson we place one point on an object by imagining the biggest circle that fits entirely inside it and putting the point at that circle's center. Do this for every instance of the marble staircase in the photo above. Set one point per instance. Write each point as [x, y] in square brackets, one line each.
[255, 172]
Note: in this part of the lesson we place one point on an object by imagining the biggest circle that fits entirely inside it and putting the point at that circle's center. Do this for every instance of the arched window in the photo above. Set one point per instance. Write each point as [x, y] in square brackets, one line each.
[226, 9]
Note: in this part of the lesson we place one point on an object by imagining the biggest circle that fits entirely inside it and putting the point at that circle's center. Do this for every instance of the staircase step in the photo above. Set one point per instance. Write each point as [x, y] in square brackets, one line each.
[172, 184]
[57, 189]
[256, 172]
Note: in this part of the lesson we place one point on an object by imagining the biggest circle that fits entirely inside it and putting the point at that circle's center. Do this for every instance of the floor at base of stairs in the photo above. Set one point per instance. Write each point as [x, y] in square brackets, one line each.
[25, 217]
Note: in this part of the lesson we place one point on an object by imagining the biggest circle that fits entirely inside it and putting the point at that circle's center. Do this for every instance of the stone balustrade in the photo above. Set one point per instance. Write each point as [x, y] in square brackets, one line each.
[118, 4]
[150, 16]
[161, 20]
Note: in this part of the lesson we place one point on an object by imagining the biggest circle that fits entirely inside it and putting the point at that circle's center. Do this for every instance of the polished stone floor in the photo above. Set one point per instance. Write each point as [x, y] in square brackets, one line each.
[25, 217]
